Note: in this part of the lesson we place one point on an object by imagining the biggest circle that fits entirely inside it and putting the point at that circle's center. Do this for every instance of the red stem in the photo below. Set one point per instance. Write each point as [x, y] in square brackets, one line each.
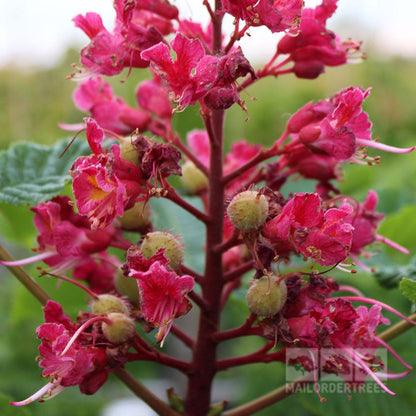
[259, 356]
[203, 366]
[240, 331]
[183, 336]
[261, 156]
[174, 197]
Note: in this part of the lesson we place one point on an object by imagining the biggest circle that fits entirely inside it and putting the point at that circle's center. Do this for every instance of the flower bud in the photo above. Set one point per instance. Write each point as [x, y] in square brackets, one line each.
[248, 210]
[156, 240]
[266, 296]
[109, 303]
[121, 328]
[192, 179]
[127, 286]
[129, 152]
[136, 218]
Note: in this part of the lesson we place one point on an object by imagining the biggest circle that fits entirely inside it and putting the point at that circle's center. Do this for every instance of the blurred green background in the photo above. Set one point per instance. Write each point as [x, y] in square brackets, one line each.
[32, 103]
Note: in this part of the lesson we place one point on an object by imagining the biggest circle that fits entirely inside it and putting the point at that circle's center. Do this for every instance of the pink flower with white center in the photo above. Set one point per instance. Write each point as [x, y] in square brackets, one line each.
[337, 127]
[162, 296]
[314, 46]
[80, 364]
[96, 97]
[104, 184]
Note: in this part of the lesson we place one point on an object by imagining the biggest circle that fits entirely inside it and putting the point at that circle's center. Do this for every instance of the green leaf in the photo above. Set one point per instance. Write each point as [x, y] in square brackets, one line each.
[408, 288]
[390, 276]
[31, 173]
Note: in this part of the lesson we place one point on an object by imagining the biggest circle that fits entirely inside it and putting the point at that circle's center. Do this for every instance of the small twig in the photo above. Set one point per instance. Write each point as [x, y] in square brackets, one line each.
[174, 197]
[397, 329]
[198, 300]
[31, 285]
[259, 356]
[240, 331]
[176, 141]
[261, 156]
[238, 271]
[187, 270]
[183, 336]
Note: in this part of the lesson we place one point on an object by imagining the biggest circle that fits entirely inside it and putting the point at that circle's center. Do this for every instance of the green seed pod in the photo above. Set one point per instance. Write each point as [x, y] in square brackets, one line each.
[127, 286]
[266, 296]
[136, 218]
[248, 210]
[109, 303]
[162, 239]
[192, 179]
[129, 152]
[121, 328]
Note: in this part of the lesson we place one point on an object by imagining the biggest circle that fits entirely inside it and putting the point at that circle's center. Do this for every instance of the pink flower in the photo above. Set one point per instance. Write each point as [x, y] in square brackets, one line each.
[104, 184]
[191, 75]
[162, 296]
[277, 15]
[337, 127]
[104, 54]
[305, 226]
[81, 364]
[315, 46]
[98, 271]
[96, 97]
[328, 335]
[65, 237]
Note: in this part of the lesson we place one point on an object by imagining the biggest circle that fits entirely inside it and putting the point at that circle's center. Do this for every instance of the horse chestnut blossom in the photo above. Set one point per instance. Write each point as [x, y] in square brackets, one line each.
[143, 269]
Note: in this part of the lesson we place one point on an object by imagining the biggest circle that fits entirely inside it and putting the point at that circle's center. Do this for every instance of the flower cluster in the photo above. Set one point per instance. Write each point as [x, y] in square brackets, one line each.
[251, 223]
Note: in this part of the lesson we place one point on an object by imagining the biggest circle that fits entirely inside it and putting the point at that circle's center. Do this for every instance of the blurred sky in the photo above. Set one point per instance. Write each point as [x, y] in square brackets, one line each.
[37, 32]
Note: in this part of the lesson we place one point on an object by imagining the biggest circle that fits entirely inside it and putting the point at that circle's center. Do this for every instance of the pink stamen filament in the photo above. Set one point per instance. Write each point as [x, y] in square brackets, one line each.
[28, 260]
[74, 282]
[392, 244]
[384, 147]
[393, 352]
[350, 289]
[49, 390]
[387, 376]
[376, 302]
[364, 367]
[81, 328]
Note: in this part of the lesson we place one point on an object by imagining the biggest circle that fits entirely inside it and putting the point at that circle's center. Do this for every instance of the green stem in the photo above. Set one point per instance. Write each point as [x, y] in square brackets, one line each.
[30, 284]
[397, 329]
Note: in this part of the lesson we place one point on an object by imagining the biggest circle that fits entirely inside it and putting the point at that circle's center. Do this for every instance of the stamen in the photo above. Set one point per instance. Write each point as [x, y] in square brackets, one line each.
[81, 328]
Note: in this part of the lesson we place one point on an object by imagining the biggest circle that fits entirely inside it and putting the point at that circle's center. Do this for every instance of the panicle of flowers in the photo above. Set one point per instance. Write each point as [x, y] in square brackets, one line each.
[251, 225]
